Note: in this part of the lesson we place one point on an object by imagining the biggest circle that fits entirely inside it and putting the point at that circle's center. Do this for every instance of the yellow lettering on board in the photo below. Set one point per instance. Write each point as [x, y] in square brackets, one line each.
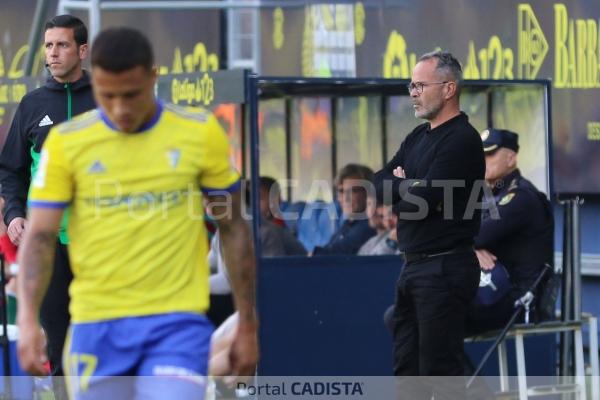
[16, 71]
[395, 59]
[577, 56]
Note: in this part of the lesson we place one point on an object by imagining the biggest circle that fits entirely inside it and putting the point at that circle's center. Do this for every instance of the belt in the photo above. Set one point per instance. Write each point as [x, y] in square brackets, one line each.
[412, 257]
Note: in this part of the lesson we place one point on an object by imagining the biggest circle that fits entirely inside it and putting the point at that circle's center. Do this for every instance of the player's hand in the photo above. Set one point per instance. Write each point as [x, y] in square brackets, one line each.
[243, 355]
[487, 261]
[16, 229]
[399, 172]
[31, 348]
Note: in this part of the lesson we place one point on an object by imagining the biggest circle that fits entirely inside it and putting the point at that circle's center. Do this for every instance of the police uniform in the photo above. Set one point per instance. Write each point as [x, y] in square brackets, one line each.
[518, 229]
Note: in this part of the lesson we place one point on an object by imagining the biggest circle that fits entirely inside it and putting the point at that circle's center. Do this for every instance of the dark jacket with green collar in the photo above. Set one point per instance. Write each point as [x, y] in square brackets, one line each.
[39, 110]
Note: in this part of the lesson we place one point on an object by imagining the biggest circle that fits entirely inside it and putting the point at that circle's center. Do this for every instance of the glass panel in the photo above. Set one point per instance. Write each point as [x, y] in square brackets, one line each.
[311, 149]
[359, 132]
[475, 104]
[271, 125]
[229, 116]
[522, 109]
[400, 122]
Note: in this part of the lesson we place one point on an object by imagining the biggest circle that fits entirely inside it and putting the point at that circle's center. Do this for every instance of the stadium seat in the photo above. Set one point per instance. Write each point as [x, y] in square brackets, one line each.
[313, 223]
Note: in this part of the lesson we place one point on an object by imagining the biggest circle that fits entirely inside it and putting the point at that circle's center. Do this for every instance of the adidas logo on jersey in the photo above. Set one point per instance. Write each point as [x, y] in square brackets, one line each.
[46, 121]
[96, 168]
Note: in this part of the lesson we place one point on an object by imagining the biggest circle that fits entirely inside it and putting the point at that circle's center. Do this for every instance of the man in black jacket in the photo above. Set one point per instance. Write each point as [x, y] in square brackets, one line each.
[66, 93]
[435, 182]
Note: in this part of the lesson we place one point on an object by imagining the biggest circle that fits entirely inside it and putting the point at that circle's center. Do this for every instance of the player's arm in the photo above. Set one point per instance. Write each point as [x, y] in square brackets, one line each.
[50, 194]
[36, 258]
[238, 252]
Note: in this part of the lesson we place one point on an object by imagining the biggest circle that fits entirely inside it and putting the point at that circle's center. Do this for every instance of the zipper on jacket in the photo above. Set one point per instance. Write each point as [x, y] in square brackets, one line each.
[69, 105]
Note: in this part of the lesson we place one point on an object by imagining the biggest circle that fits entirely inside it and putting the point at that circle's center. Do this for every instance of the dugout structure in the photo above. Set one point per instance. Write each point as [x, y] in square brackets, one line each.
[323, 315]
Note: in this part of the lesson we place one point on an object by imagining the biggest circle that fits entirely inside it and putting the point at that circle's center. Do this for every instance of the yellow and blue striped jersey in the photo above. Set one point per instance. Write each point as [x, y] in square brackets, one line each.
[138, 242]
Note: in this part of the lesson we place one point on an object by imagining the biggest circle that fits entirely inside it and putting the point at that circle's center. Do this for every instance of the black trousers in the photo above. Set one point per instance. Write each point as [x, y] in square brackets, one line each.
[432, 298]
[54, 311]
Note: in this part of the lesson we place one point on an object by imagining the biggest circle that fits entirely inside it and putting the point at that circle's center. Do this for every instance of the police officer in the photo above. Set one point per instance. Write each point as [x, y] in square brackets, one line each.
[516, 232]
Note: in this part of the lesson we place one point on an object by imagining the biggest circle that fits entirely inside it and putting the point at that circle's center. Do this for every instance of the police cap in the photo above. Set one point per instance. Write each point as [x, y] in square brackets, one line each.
[493, 139]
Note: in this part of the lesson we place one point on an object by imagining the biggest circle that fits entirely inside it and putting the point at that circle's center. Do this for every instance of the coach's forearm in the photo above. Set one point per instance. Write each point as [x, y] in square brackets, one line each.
[36, 257]
[238, 252]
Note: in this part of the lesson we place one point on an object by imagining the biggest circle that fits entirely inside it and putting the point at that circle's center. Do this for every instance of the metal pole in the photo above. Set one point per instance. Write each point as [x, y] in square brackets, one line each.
[576, 257]
[334, 147]
[95, 19]
[252, 118]
[34, 34]
[287, 115]
[383, 113]
[566, 338]
[156, 5]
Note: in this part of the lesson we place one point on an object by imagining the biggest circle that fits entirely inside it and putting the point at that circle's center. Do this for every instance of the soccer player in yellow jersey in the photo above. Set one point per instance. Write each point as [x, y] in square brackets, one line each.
[134, 172]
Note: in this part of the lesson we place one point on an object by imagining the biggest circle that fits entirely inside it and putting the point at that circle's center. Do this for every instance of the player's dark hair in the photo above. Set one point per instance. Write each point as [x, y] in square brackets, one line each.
[121, 49]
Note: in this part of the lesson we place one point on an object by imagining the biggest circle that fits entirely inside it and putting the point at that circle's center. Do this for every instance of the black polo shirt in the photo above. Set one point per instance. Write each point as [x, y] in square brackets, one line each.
[439, 202]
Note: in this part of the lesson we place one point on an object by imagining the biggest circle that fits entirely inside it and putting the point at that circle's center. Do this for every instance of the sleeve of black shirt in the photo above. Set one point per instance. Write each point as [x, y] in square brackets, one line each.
[512, 217]
[453, 161]
[15, 164]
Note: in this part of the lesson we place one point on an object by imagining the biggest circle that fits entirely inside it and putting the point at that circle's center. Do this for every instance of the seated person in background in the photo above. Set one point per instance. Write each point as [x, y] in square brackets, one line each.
[353, 183]
[520, 236]
[276, 238]
[383, 220]
[270, 200]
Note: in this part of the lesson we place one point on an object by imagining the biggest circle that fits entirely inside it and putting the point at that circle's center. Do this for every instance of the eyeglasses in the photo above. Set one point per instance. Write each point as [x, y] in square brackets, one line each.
[418, 86]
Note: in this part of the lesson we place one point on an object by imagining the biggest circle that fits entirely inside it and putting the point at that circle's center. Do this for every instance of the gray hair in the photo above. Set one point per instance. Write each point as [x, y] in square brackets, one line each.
[447, 65]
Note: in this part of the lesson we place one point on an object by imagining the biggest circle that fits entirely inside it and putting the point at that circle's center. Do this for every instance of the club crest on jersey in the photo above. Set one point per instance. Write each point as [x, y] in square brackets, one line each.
[173, 156]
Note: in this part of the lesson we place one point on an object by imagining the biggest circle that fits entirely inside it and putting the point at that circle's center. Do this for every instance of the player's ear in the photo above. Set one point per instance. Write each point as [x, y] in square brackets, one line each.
[154, 73]
[83, 51]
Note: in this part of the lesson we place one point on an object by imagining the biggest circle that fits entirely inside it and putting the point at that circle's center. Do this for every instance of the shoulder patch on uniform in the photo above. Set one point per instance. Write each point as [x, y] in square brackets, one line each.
[197, 113]
[484, 135]
[80, 121]
[506, 199]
